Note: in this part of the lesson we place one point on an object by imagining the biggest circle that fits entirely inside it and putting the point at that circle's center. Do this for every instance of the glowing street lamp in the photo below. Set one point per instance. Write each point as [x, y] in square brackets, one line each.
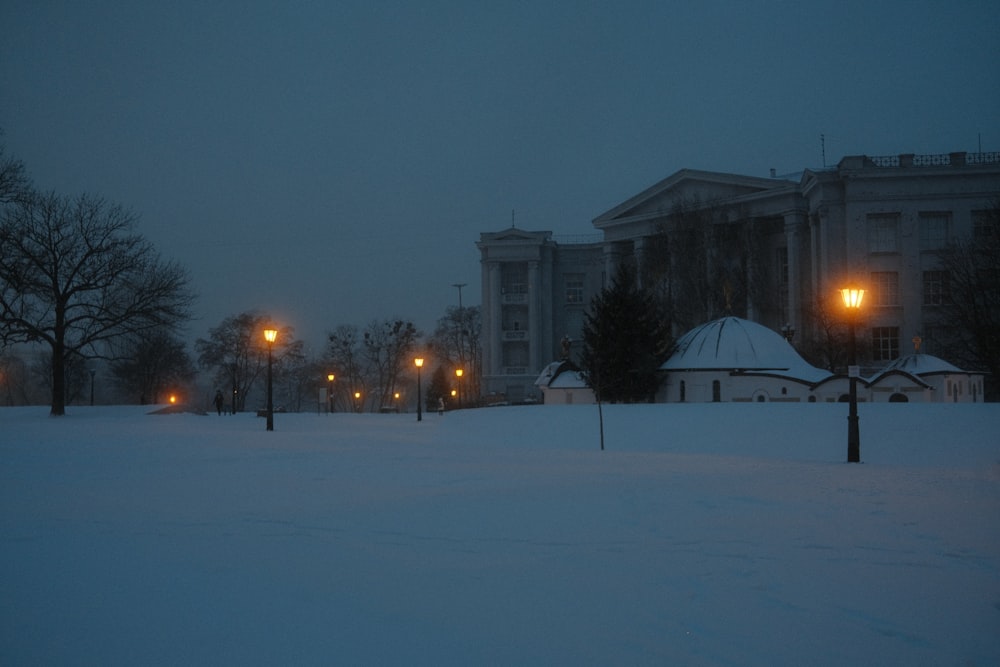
[853, 296]
[330, 377]
[270, 335]
[458, 374]
[419, 363]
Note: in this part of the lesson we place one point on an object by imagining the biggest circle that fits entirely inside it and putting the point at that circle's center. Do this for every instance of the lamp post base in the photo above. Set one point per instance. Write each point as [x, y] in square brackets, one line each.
[853, 440]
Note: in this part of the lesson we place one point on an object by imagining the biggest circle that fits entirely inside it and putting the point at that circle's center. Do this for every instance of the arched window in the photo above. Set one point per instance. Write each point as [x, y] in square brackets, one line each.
[899, 398]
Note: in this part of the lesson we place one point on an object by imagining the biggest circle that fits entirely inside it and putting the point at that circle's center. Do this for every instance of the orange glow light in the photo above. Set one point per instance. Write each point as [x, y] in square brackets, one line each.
[853, 296]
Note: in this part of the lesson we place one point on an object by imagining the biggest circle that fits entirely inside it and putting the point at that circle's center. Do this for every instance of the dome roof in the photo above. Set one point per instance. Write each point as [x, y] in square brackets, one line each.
[732, 343]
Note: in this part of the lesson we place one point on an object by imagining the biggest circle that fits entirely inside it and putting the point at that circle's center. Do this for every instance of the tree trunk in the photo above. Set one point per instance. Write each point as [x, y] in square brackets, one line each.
[58, 379]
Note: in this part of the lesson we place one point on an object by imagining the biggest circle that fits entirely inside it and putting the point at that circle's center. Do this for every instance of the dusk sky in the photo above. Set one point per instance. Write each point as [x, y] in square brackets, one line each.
[335, 162]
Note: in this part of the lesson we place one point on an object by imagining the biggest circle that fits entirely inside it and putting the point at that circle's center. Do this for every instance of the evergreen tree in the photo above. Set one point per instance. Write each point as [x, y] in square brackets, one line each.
[624, 342]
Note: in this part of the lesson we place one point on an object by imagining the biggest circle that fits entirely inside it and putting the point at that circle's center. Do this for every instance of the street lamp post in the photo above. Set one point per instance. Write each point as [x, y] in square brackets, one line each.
[330, 378]
[92, 371]
[270, 335]
[458, 374]
[419, 363]
[853, 296]
[232, 368]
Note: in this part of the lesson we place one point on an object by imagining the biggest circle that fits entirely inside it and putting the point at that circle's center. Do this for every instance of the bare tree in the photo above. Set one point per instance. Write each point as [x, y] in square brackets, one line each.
[14, 183]
[825, 344]
[149, 365]
[387, 346]
[973, 305]
[75, 276]
[704, 261]
[345, 353]
[456, 341]
[236, 352]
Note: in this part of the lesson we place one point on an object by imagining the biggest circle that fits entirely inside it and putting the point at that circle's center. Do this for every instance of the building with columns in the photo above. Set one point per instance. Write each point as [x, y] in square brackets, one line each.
[770, 250]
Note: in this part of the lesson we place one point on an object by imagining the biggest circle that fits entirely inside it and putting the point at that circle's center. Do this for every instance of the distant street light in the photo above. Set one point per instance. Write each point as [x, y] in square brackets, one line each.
[330, 378]
[459, 286]
[419, 363]
[92, 371]
[458, 374]
[270, 335]
[853, 296]
[357, 401]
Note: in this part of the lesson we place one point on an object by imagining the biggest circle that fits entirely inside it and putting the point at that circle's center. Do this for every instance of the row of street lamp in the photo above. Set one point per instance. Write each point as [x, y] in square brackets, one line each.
[271, 335]
[852, 297]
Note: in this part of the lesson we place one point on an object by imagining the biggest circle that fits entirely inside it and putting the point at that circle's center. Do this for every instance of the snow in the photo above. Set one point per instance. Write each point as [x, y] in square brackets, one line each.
[710, 534]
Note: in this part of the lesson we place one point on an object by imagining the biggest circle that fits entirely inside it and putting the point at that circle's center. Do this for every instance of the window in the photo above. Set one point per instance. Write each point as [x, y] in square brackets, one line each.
[934, 230]
[574, 288]
[885, 343]
[985, 225]
[716, 391]
[883, 230]
[514, 278]
[935, 288]
[885, 288]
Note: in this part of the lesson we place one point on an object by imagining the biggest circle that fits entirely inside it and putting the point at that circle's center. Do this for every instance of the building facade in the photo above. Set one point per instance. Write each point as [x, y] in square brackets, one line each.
[535, 292]
[771, 250]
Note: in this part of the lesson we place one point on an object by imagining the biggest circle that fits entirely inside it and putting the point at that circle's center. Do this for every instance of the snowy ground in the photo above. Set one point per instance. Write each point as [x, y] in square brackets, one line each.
[720, 534]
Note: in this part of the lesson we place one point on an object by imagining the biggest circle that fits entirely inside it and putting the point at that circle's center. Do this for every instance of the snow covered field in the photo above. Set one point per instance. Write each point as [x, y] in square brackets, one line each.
[716, 534]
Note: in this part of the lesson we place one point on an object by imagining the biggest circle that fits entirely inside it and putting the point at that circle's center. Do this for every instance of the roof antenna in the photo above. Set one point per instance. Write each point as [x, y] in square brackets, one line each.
[512, 218]
[822, 148]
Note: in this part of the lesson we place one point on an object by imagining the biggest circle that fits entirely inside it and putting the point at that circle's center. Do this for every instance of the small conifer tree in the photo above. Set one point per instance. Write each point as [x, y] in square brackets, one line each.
[624, 342]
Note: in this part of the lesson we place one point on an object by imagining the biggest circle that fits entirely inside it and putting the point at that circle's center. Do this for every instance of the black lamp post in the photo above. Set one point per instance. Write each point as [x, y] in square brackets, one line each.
[92, 371]
[458, 375]
[330, 378]
[419, 363]
[270, 335]
[853, 297]
[232, 368]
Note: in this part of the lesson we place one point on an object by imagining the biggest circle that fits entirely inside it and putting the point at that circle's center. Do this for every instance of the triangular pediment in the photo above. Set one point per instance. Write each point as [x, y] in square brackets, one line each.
[516, 235]
[688, 186]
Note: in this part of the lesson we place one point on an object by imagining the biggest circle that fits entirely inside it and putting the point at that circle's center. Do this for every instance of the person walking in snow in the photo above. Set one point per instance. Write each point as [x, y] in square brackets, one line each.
[218, 401]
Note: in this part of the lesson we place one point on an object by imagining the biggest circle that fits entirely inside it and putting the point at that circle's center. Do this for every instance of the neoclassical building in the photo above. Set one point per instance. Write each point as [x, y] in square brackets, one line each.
[770, 250]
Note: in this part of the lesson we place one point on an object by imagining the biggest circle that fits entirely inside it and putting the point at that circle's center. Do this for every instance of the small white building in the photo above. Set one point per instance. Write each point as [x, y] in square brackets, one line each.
[732, 359]
[944, 382]
[736, 360]
[562, 383]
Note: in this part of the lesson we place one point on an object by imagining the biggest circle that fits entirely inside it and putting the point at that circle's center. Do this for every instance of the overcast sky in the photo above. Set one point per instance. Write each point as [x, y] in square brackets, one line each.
[335, 162]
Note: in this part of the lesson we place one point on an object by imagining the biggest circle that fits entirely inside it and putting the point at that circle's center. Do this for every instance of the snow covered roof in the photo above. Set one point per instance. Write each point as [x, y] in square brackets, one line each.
[561, 375]
[735, 344]
[922, 364]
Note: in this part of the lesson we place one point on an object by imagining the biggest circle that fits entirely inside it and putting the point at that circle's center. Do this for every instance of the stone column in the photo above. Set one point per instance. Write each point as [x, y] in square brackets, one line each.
[612, 256]
[534, 316]
[795, 224]
[493, 324]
